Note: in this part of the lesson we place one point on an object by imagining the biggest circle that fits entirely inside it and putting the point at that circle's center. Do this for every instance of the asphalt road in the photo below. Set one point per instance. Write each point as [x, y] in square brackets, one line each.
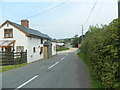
[64, 70]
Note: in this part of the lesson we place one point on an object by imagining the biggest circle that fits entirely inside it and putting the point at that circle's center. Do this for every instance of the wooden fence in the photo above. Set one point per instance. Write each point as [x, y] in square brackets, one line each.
[12, 58]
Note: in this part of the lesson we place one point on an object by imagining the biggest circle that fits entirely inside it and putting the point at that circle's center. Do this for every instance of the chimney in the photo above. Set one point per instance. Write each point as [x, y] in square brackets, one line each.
[25, 23]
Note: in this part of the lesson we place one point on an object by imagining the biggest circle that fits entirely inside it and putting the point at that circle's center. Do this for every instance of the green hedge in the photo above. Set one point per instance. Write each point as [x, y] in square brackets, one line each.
[102, 46]
[62, 48]
[93, 81]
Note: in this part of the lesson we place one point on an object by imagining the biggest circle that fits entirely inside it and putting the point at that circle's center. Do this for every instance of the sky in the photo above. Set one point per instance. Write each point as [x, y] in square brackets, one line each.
[60, 20]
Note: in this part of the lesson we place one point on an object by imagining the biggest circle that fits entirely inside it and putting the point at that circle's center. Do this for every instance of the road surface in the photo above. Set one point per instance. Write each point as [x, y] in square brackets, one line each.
[64, 70]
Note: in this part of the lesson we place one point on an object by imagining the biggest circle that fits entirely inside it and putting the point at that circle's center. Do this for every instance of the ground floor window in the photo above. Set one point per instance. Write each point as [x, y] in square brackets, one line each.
[19, 48]
[41, 49]
[34, 50]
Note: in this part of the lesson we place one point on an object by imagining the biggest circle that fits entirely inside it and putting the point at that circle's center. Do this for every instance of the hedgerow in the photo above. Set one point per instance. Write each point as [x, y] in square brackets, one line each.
[102, 46]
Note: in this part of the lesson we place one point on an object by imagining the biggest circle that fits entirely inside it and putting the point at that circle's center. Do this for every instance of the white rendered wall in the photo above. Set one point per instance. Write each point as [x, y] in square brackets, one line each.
[54, 48]
[19, 37]
[34, 42]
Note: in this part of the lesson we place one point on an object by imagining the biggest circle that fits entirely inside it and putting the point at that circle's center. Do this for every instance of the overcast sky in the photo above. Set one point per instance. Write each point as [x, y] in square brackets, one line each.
[63, 21]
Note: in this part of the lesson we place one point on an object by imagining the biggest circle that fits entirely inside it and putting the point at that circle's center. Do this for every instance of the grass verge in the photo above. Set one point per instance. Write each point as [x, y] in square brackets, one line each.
[10, 67]
[94, 83]
[62, 48]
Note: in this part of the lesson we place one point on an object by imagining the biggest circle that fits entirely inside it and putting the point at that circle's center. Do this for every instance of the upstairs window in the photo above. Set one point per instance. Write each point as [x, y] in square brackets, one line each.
[8, 33]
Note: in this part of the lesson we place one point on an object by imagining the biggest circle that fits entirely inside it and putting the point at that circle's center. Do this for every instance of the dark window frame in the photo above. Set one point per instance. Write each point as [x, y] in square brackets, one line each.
[34, 49]
[41, 49]
[9, 32]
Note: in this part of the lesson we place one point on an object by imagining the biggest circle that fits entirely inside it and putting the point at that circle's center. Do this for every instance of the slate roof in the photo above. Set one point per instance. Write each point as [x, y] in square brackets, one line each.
[47, 43]
[32, 32]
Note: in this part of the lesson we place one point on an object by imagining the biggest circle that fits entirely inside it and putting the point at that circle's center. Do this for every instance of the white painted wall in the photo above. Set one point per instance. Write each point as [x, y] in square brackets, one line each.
[34, 42]
[54, 48]
[19, 37]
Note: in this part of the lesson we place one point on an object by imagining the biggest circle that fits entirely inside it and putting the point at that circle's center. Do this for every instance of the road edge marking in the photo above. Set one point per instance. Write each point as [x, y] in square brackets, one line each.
[26, 82]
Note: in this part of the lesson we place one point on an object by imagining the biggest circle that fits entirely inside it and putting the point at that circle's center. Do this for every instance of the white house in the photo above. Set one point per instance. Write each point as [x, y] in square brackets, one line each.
[60, 43]
[20, 38]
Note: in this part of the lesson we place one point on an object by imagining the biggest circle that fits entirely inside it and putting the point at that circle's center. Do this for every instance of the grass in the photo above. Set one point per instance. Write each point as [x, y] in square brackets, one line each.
[94, 83]
[10, 67]
[62, 48]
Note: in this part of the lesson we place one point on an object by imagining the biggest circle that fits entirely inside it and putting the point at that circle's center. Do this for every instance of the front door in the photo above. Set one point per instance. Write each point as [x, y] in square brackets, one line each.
[46, 52]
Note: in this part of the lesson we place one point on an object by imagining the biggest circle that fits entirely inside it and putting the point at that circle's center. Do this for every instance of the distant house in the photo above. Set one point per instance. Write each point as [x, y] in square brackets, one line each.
[60, 43]
[20, 38]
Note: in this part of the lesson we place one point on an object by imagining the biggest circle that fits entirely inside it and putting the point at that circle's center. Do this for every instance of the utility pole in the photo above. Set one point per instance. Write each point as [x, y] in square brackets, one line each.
[82, 32]
[118, 8]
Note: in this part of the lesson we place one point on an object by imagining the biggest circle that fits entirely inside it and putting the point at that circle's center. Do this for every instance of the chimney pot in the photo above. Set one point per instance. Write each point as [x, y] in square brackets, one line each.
[25, 23]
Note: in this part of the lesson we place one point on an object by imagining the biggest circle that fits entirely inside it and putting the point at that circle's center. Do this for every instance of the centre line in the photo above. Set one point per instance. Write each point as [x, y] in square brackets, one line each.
[53, 65]
[26, 82]
[63, 58]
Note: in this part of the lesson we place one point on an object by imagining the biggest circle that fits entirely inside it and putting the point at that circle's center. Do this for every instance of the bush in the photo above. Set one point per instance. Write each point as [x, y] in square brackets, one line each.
[102, 46]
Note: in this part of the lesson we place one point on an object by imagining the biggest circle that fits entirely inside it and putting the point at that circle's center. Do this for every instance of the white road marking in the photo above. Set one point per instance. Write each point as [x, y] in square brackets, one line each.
[26, 82]
[53, 65]
[63, 58]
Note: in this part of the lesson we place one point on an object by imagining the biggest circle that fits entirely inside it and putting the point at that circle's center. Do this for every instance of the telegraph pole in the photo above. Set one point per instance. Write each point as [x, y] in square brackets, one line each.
[118, 8]
[82, 32]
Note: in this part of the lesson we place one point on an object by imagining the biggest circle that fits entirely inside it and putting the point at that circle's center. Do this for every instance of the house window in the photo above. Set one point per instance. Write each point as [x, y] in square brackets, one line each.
[19, 48]
[41, 40]
[34, 49]
[7, 24]
[8, 33]
[41, 49]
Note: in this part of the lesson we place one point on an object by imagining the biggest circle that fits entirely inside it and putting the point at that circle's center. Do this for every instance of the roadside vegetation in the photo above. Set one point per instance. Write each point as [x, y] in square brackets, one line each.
[10, 67]
[62, 48]
[76, 40]
[100, 50]
[94, 83]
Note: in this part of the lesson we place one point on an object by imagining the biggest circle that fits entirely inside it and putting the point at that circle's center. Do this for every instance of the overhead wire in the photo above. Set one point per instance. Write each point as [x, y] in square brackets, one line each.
[84, 25]
[99, 11]
[45, 10]
[90, 13]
